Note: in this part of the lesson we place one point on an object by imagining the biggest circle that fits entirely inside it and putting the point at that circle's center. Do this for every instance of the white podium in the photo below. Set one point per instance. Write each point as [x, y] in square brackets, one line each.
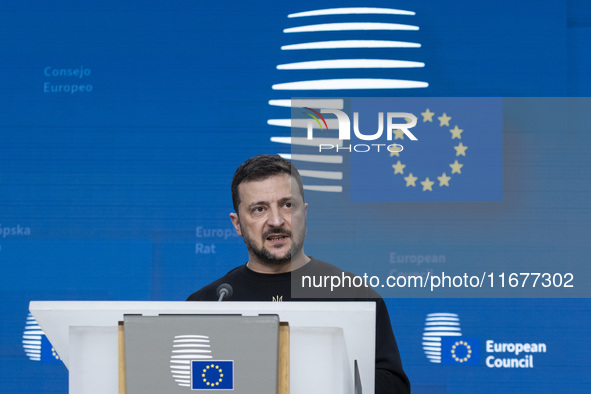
[326, 339]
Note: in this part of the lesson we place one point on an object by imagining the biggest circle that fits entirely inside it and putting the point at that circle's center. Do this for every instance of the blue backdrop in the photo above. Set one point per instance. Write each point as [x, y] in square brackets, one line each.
[122, 123]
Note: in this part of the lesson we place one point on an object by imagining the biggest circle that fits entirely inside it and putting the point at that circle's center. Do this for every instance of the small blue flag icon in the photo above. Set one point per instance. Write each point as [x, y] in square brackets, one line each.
[212, 375]
[460, 351]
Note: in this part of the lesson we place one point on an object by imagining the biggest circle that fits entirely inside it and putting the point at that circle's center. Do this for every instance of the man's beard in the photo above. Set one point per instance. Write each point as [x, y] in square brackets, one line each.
[265, 256]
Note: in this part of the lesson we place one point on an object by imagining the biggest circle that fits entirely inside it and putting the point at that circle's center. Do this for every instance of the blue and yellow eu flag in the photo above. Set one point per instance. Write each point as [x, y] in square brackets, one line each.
[212, 375]
[460, 351]
[458, 154]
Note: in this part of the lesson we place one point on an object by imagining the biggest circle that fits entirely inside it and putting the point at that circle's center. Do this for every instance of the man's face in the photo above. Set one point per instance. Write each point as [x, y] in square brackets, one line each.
[271, 219]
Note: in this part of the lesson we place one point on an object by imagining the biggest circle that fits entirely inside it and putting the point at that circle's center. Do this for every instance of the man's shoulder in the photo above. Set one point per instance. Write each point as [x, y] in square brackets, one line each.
[209, 292]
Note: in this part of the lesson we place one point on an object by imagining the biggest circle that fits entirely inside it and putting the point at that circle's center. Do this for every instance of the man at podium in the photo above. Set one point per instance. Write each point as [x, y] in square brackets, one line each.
[270, 216]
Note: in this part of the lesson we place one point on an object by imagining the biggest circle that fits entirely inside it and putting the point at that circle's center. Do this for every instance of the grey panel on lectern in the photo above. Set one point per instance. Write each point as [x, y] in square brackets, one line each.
[208, 353]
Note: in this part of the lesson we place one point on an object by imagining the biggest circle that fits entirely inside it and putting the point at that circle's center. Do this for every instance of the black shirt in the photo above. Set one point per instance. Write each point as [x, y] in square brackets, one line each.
[248, 285]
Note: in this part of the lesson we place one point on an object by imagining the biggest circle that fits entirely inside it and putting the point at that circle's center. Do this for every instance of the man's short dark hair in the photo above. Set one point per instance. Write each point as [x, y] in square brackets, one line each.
[262, 167]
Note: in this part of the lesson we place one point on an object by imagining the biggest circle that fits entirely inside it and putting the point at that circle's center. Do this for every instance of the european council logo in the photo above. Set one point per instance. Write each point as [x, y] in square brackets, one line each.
[212, 375]
[463, 351]
[36, 345]
[458, 154]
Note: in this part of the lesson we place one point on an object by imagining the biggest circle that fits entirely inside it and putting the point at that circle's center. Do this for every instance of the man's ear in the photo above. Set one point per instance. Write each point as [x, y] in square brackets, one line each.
[236, 222]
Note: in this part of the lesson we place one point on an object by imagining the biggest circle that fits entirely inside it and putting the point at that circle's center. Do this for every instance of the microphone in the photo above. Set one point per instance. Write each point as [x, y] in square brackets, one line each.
[224, 291]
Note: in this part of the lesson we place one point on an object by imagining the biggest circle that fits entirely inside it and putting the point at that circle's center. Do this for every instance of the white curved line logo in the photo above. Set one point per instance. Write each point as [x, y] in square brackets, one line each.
[32, 336]
[350, 27]
[438, 325]
[186, 348]
[334, 49]
[35, 344]
[338, 44]
[351, 10]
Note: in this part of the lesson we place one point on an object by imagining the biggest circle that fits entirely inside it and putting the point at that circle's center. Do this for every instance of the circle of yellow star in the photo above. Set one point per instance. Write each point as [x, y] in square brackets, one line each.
[443, 180]
[460, 149]
[410, 180]
[206, 379]
[444, 120]
[456, 133]
[456, 167]
[427, 116]
[468, 351]
[427, 184]
[398, 168]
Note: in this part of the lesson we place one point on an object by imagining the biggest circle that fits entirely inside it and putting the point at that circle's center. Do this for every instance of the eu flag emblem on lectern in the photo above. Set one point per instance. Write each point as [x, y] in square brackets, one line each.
[212, 375]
